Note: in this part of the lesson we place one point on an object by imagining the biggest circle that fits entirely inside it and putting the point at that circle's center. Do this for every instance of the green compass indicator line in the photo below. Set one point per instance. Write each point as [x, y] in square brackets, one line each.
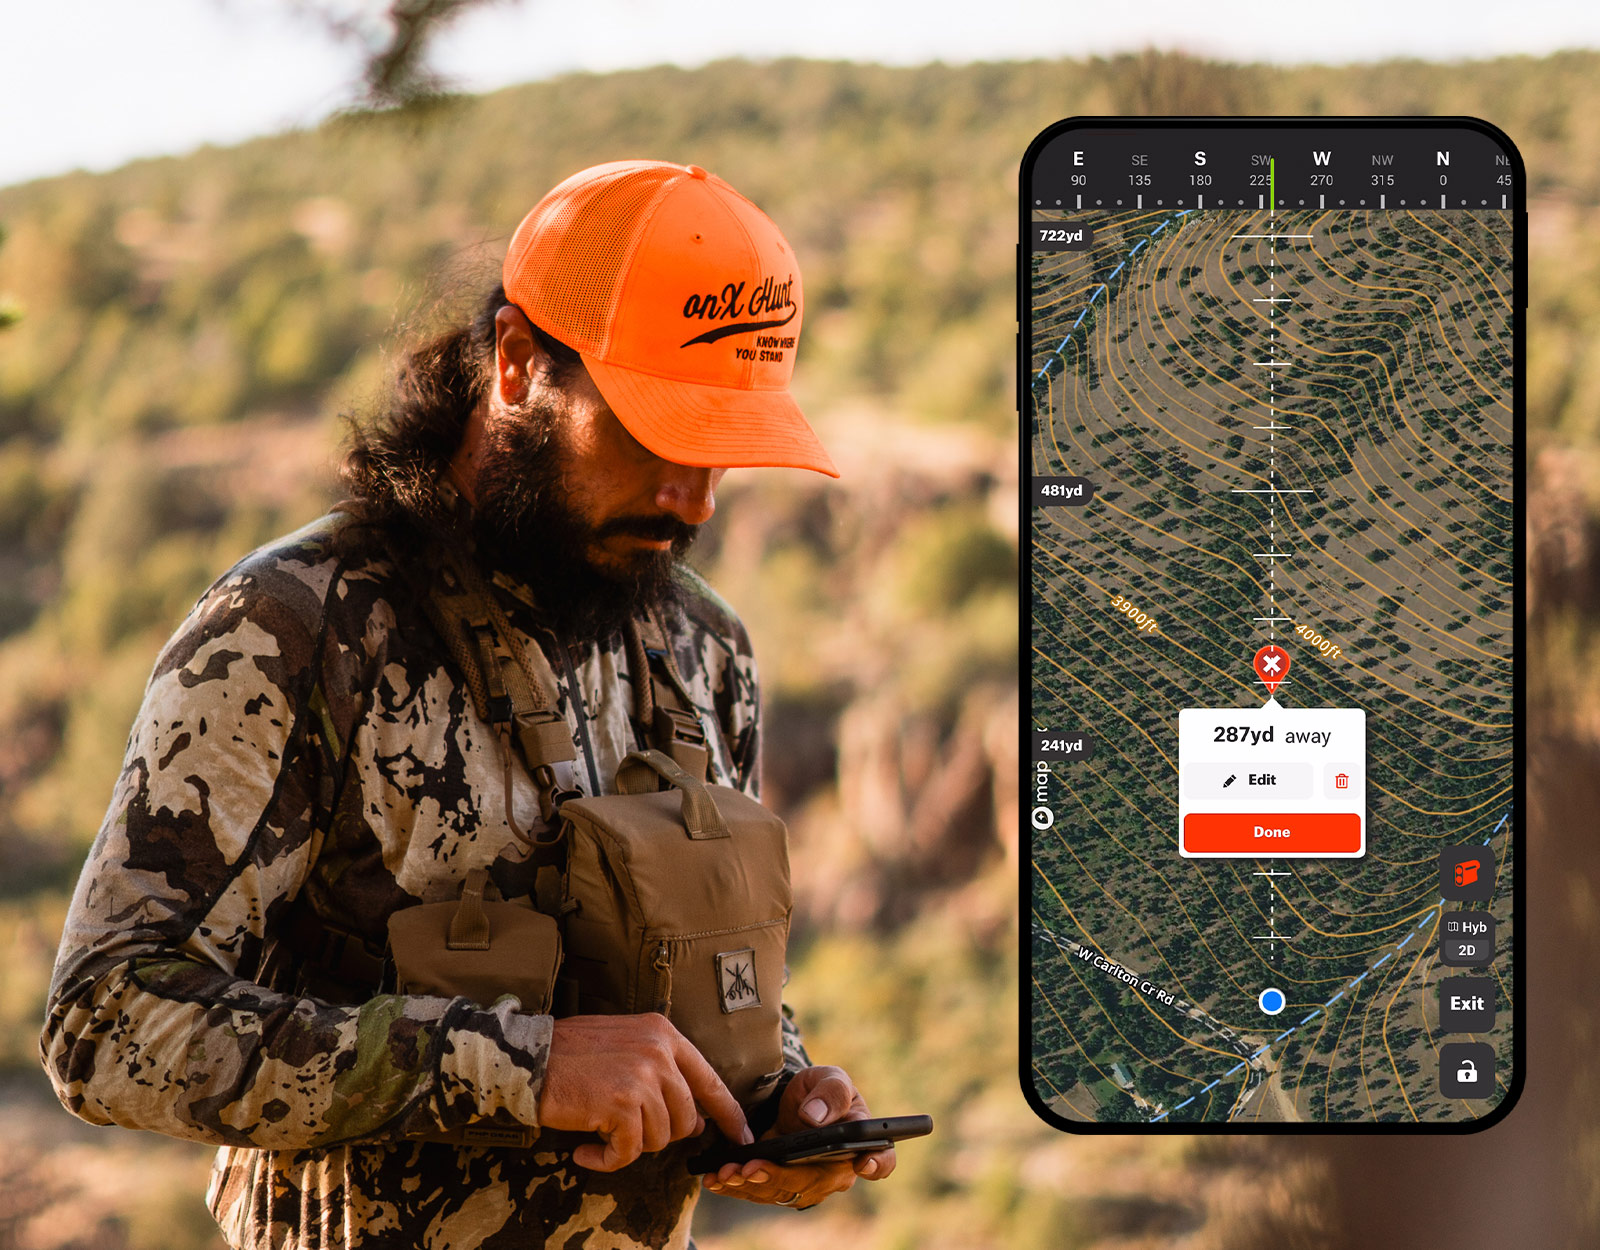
[1272, 184]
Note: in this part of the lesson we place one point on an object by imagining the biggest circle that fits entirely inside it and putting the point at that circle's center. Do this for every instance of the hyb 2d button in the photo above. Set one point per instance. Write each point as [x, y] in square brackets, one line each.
[1466, 939]
[1466, 873]
[1466, 1070]
[1466, 1004]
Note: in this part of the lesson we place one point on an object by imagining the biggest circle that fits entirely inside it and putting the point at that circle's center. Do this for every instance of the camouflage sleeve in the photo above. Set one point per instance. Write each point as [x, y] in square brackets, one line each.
[794, 1047]
[745, 730]
[152, 1019]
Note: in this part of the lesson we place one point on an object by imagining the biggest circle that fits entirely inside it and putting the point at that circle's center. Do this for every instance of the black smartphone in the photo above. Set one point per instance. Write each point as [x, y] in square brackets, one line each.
[817, 1145]
[1271, 399]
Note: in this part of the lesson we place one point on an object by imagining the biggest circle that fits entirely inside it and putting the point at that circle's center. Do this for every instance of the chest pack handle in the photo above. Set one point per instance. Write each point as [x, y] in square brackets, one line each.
[701, 816]
[469, 927]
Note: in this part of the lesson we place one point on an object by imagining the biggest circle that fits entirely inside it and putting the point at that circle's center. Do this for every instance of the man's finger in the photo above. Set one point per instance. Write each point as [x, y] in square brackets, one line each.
[655, 1125]
[762, 1181]
[790, 1176]
[623, 1144]
[685, 1117]
[813, 1181]
[711, 1093]
[591, 1156]
[875, 1165]
[828, 1100]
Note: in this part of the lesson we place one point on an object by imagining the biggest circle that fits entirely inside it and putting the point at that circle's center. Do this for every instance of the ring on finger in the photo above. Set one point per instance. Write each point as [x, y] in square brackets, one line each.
[790, 1200]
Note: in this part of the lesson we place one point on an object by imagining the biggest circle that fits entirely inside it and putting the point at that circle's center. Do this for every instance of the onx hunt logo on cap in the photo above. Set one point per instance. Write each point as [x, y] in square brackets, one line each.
[771, 301]
[736, 974]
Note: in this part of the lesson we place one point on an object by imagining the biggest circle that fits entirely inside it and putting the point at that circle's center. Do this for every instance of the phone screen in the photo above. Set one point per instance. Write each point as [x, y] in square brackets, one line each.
[1272, 424]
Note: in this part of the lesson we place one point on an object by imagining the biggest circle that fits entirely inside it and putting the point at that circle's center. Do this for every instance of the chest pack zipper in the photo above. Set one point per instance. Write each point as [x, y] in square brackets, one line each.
[663, 966]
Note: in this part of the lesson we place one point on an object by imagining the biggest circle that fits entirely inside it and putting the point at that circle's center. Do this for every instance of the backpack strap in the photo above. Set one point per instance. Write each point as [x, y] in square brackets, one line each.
[663, 709]
[506, 688]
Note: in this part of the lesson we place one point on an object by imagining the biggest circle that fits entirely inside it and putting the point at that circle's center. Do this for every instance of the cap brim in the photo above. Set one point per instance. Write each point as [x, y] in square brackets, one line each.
[715, 426]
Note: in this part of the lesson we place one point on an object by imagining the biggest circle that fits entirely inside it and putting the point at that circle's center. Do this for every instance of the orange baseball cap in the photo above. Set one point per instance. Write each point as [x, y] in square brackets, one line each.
[683, 299]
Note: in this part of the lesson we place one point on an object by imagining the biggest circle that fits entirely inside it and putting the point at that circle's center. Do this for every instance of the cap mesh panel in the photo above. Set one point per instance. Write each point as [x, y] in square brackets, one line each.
[566, 263]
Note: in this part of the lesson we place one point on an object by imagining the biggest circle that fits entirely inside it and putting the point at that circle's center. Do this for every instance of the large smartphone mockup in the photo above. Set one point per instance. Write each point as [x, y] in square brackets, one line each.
[1272, 440]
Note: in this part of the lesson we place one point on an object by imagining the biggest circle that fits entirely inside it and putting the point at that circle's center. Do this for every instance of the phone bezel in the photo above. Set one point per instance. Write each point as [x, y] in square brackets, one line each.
[862, 1136]
[1517, 1075]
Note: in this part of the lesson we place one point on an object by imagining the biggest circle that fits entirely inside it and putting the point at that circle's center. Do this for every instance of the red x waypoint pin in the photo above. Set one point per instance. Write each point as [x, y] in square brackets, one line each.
[1272, 666]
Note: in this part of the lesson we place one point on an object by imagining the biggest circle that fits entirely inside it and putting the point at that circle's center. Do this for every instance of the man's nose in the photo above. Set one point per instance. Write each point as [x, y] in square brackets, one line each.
[689, 493]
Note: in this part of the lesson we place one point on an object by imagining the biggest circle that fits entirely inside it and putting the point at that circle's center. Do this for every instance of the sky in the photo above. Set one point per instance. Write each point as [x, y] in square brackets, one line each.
[95, 83]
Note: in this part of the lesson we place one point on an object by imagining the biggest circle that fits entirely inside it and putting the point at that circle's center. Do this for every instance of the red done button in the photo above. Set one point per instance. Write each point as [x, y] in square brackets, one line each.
[1288, 833]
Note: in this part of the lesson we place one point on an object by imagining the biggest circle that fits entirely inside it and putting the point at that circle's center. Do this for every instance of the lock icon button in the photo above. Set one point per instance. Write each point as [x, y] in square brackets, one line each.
[1466, 1070]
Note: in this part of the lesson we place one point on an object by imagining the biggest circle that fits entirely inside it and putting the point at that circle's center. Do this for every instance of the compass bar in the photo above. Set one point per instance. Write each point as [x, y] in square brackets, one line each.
[1433, 166]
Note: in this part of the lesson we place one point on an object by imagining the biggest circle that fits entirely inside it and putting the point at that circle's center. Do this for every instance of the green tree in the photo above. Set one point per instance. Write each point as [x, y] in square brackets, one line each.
[10, 310]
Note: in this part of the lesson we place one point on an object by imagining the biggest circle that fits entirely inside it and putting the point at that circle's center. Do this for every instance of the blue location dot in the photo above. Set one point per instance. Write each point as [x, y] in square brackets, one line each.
[1272, 1001]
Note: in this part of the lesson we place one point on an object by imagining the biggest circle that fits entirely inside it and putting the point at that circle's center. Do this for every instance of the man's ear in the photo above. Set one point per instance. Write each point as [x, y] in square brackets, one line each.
[518, 357]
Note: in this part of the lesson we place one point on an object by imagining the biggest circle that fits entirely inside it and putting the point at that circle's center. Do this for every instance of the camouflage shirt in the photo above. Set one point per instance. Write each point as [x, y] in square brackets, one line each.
[304, 744]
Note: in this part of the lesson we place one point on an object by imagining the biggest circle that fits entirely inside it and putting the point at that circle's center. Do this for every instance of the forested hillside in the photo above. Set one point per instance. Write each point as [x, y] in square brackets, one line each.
[192, 329]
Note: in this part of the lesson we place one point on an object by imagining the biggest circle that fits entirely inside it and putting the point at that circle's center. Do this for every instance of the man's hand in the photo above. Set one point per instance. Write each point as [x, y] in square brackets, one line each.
[636, 1081]
[814, 1097]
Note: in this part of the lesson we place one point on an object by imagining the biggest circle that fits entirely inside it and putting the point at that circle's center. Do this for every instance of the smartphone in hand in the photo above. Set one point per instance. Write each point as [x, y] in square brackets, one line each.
[817, 1145]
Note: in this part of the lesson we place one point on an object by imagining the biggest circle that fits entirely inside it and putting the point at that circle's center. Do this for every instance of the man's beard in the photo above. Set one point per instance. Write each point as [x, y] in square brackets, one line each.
[525, 525]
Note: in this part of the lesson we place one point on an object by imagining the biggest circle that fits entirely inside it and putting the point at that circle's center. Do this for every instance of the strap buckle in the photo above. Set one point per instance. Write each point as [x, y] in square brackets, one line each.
[677, 725]
[683, 738]
[551, 797]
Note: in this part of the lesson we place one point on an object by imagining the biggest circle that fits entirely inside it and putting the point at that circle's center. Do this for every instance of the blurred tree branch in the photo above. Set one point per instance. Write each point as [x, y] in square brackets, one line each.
[394, 36]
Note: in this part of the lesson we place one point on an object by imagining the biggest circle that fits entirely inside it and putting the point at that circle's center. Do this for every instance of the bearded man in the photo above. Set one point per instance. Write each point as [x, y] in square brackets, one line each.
[313, 756]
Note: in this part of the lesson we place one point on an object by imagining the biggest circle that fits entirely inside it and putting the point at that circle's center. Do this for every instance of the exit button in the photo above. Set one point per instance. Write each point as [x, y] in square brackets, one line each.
[1466, 1004]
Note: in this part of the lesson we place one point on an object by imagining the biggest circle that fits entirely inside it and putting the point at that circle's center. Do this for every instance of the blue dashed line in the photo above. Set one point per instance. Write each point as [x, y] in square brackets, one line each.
[1044, 372]
[1212, 1086]
[1311, 1017]
[1240, 1068]
[1334, 999]
[1183, 1104]
[1423, 923]
[1383, 961]
[1402, 945]
[1281, 1036]
[1162, 1116]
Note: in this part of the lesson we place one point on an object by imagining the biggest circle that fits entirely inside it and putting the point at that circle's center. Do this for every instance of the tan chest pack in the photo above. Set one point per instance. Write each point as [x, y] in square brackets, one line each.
[670, 895]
